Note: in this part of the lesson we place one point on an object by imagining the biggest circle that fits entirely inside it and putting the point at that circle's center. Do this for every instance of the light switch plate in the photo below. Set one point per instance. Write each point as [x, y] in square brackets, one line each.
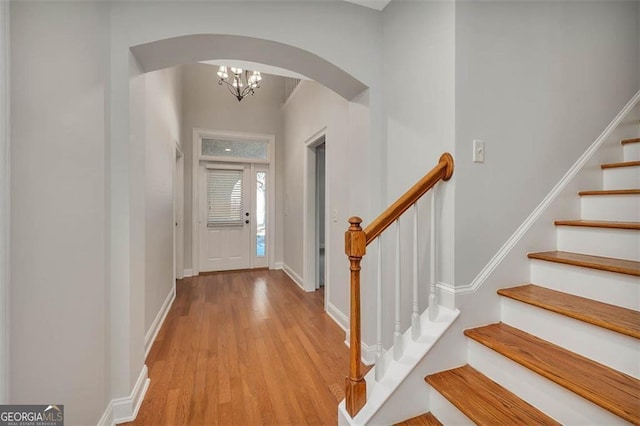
[478, 151]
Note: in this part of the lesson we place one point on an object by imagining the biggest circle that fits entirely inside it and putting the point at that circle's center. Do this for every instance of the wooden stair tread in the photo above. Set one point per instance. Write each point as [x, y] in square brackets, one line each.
[611, 192]
[604, 386]
[610, 264]
[599, 224]
[623, 164]
[615, 318]
[484, 401]
[632, 140]
[426, 419]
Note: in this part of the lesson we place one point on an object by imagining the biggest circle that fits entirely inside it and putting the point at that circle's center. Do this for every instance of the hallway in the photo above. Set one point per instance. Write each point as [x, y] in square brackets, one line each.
[245, 348]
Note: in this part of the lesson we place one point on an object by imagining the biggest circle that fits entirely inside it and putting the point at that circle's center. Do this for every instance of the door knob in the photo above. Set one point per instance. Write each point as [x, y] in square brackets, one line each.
[246, 221]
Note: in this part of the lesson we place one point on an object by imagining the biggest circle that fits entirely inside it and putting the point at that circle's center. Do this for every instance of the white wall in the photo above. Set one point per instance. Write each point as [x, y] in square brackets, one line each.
[4, 201]
[538, 82]
[163, 113]
[206, 105]
[419, 65]
[310, 109]
[59, 338]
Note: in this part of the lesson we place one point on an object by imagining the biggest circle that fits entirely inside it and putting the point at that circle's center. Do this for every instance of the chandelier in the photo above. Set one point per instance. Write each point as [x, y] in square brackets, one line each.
[241, 82]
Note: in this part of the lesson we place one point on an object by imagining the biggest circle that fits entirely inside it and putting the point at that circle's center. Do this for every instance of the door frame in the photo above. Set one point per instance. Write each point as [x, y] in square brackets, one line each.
[310, 264]
[178, 218]
[198, 135]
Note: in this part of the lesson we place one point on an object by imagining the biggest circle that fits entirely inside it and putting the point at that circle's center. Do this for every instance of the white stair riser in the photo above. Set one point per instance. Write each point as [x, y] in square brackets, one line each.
[621, 178]
[607, 347]
[624, 208]
[631, 152]
[618, 243]
[608, 287]
[444, 411]
[557, 402]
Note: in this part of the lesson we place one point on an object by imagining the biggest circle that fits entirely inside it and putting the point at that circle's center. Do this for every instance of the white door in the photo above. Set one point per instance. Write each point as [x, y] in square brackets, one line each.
[225, 217]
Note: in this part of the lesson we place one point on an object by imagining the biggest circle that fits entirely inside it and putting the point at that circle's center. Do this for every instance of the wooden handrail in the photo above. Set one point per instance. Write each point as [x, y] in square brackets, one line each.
[442, 171]
[355, 243]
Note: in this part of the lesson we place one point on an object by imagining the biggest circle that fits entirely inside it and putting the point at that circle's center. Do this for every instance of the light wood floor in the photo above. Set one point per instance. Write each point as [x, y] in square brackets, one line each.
[245, 348]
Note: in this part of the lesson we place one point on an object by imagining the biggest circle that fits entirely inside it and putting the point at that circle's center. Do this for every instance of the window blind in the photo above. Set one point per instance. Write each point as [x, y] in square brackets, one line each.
[224, 197]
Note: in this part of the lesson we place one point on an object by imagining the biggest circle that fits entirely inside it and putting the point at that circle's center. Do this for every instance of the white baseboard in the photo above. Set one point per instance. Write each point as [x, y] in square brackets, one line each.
[368, 352]
[152, 333]
[336, 315]
[278, 265]
[107, 417]
[187, 273]
[293, 275]
[122, 410]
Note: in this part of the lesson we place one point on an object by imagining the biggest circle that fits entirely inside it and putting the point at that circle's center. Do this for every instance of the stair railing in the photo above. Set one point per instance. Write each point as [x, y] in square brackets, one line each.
[356, 242]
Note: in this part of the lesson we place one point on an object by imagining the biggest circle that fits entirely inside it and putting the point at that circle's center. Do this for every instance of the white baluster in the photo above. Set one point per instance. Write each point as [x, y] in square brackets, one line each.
[415, 316]
[379, 360]
[433, 298]
[397, 334]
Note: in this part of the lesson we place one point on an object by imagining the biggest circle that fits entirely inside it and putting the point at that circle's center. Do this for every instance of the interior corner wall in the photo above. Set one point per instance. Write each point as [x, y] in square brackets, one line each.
[5, 178]
[311, 108]
[206, 105]
[163, 97]
[59, 304]
[418, 37]
[538, 82]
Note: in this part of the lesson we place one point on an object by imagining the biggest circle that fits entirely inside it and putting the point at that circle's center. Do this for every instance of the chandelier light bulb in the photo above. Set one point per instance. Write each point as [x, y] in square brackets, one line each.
[222, 72]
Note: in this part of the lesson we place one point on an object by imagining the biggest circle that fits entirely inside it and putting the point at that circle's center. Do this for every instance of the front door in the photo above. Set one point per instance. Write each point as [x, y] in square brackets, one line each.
[225, 217]
[233, 216]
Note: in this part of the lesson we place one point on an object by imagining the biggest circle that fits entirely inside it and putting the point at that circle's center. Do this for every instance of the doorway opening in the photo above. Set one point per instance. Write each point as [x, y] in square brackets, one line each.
[316, 237]
[178, 215]
[321, 204]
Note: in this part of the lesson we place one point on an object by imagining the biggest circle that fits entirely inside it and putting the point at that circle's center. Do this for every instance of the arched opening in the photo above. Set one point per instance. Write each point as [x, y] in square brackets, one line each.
[201, 47]
[189, 50]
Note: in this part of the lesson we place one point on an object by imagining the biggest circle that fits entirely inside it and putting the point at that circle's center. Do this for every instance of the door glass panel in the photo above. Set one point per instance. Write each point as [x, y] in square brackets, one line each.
[224, 198]
[261, 213]
[250, 149]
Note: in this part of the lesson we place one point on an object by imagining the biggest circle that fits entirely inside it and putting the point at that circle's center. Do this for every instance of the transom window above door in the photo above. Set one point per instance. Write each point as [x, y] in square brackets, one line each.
[228, 149]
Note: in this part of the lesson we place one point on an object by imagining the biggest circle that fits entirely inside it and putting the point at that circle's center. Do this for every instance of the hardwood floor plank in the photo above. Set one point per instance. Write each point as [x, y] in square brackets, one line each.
[621, 164]
[621, 266]
[610, 192]
[604, 386]
[633, 140]
[615, 318]
[599, 224]
[427, 419]
[484, 401]
[247, 348]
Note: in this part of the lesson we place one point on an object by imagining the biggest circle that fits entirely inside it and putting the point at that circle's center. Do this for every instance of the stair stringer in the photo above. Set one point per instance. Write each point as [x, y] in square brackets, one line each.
[538, 232]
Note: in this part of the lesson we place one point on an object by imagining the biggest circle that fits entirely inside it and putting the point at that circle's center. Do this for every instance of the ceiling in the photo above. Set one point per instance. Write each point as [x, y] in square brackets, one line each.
[373, 4]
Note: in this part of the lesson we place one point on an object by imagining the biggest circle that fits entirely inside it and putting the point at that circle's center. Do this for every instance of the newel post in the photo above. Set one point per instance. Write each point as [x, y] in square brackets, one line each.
[355, 245]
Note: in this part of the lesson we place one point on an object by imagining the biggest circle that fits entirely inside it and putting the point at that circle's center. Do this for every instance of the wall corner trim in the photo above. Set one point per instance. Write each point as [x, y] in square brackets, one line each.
[5, 197]
[150, 337]
[187, 273]
[546, 202]
[122, 410]
[126, 409]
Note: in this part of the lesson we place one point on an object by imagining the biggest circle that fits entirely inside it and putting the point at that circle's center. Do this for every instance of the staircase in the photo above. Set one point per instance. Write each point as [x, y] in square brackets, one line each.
[566, 349]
